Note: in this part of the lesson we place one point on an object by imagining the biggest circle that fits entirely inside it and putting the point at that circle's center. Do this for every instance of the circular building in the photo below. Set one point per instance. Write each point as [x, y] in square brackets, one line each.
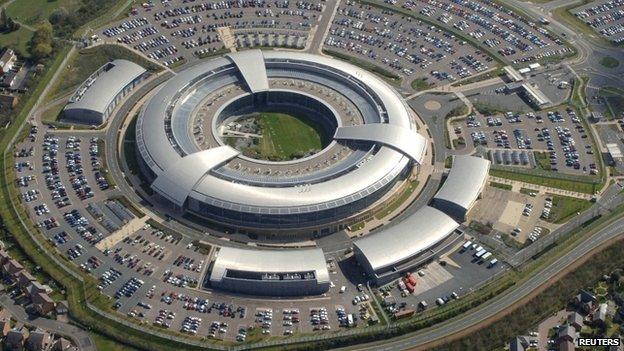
[277, 140]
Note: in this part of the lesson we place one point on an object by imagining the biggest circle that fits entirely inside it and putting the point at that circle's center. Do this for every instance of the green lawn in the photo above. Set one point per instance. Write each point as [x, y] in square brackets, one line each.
[501, 185]
[397, 201]
[580, 186]
[420, 84]
[285, 137]
[609, 62]
[543, 161]
[565, 207]
[87, 61]
[18, 40]
[31, 12]
[102, 343]
[52, 113]
[614, 98]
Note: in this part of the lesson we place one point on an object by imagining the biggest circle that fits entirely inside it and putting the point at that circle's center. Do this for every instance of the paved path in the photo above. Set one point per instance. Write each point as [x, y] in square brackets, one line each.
[80, 337]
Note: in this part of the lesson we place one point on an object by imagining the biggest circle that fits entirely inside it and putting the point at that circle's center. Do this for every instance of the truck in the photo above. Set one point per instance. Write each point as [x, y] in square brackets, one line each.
[479, 248]
[486, 256]
[492, 263]
[466, 246]
[480, 253]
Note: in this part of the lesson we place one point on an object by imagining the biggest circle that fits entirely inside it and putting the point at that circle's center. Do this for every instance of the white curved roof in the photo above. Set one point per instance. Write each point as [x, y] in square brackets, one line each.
[270, 261]
[395, 106]
[250, 63]
[178, 180]
[162, 152]
[106, 85]
[415, 234]
[465, 181]
[314, 194]
[402, 139]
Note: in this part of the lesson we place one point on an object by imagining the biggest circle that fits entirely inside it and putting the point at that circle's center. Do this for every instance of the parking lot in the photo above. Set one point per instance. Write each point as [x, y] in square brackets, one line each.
[512, 213]
[175, 31]
[606, 17]
[455, 274]
[557, 137]
[405, 46]
[497, 27]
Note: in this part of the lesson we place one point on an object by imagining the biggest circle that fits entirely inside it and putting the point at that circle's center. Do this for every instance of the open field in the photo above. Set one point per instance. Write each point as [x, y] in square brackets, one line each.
[565, 207]
[87, 61]
[102, 343]
[18, 40]
[31, 12]
[285, 137]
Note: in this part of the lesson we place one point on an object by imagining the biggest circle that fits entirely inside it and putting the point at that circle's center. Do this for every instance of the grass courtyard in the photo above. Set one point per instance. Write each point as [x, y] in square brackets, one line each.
[286, 137]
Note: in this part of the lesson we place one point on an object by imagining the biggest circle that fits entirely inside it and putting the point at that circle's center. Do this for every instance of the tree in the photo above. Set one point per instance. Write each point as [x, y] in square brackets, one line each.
[43, 34]
[41, 50]
[41, 42]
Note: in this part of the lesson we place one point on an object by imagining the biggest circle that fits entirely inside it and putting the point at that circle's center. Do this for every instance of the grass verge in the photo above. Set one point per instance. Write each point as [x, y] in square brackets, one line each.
[382, 72]
[565, 207]
[581, 186]
[501, 186]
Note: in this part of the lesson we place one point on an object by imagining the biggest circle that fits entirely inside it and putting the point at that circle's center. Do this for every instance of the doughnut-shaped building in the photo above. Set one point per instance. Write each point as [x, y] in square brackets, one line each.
[373, 141]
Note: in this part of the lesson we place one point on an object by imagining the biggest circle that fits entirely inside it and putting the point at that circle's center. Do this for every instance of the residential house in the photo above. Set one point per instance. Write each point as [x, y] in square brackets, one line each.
[62, 308]
[11, 268]
[39, 340]
[585, 301]
[42, 303]
[600, 315]
[519, 343]
[24, 279]
[5, 326]
[566, 336]
[63, 344]
[7, 60]
[16, 339]
[575, 320]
